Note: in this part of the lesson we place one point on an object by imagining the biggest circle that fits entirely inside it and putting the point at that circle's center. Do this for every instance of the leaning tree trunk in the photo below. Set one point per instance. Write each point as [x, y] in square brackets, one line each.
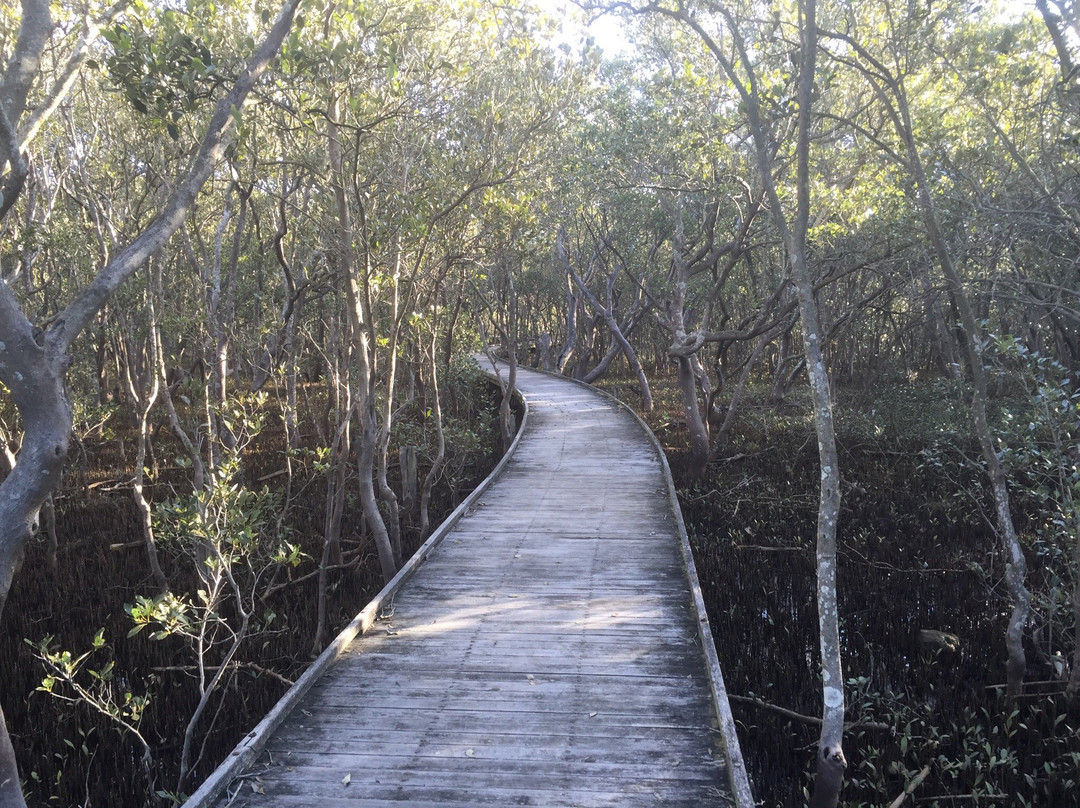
[1015, 563]
[570, 346]
[831, 761]
[35, 361]
[891, 91]
[612, 324]
[386, 493]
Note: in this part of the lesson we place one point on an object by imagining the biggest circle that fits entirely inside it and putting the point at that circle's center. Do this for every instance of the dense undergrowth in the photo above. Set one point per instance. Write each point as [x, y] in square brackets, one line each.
[71, 753]
[923, 609]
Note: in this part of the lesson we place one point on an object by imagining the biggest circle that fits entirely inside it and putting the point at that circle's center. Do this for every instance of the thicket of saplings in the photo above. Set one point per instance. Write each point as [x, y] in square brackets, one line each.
[923, 609]
[103, 668]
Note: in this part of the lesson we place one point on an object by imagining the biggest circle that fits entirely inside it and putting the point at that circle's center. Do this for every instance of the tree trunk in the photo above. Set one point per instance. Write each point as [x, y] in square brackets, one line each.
[335, 508]
[360, 321]
[699, 435]
[144, 385]
[33, 363]
[10, 792]
[386, 493]
[613, 326]
[831, 760]
[440, 456]
[1015, 563]
[1072, 689]
[507, 427]
[543, 352]
[570, 347]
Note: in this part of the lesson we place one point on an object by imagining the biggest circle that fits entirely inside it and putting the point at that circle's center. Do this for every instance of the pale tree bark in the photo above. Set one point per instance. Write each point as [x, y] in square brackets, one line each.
[891, 91]
[440, 436]
[360, 319]
[508, 387]
[1058, 26]
[689, 332]
[144, 385]
[682, 352]
[386, 493]
[282, 345]
[337, 376]
[609, 319]
[35, 28]
[570, 346]
[510, 344]
[33, 361]
[626, 326]
[831, 761]
[198, 468]
[66, 80]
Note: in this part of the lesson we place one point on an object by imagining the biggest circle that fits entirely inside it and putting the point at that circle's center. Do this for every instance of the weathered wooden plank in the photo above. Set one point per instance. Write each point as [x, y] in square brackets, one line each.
[685, 795]
[539, 727]
[462, 775]
[546, 653]
[528, 755]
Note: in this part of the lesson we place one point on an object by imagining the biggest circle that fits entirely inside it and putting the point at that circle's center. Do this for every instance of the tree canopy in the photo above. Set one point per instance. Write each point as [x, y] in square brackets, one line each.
[204, 202]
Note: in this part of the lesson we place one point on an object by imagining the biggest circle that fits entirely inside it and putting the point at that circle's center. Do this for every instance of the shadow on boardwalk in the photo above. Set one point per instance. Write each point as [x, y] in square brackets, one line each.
[545, 652]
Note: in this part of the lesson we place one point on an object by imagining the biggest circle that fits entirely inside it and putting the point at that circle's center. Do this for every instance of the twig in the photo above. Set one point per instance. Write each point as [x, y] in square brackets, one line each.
[965, 797]
[767, 549]
[806, 719]
[251, 665]
[914, 784]
[1028, 684]
[275, 588]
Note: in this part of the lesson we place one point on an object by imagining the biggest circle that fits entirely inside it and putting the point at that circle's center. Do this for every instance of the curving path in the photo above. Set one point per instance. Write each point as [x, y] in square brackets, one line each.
[545, 653]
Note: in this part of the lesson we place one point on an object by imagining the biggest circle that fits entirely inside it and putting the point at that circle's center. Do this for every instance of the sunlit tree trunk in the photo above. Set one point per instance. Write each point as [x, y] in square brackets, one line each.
[892, 93]
[831, 761]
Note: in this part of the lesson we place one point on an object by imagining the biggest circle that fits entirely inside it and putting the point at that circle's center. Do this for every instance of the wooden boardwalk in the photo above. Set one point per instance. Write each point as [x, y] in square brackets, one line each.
[546, 652]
